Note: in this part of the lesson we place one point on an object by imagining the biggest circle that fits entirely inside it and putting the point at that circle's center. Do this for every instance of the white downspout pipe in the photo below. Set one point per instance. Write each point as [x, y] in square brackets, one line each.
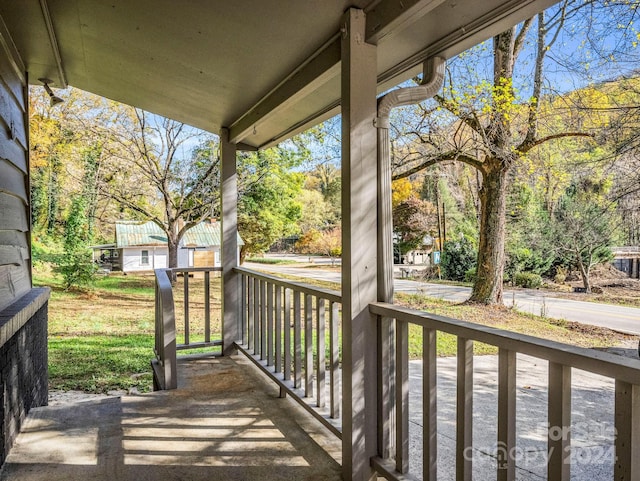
[432, 81]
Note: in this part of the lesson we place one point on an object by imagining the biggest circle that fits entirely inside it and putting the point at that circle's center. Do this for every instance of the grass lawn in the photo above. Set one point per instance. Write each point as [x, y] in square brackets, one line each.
[102, 339]
[502, 318]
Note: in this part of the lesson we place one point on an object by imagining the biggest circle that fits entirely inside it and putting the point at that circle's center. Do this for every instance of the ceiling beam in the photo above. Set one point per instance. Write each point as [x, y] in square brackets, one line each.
[386, 17]
[53, 40]
[466, 36]
[316, 71]
[382, 19]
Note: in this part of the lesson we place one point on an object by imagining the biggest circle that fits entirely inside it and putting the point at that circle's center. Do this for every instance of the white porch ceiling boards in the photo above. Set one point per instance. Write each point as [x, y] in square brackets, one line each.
[264, 68]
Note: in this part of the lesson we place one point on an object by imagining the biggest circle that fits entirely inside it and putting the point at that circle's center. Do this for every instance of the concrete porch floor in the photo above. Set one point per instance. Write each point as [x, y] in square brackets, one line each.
[225, 421]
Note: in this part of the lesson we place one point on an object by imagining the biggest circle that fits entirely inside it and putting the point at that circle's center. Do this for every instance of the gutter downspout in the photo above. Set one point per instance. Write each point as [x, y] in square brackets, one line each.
[433, 79]
[388, 398]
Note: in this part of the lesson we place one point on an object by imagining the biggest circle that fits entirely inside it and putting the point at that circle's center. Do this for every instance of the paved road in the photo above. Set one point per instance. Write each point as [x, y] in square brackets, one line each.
[622, 319]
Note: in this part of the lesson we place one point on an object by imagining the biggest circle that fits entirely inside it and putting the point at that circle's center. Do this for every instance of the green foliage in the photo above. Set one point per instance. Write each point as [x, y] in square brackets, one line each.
[470, 275]
[267, 207]
[77, 268]
[76, 232]
[457, 259]
[528, 279]
[76, 263]
[584, 227]
[538, 260]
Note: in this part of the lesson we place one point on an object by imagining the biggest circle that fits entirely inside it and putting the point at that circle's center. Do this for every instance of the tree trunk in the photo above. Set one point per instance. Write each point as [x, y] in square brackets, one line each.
[487, 288]
[172, 245]
[584, 271]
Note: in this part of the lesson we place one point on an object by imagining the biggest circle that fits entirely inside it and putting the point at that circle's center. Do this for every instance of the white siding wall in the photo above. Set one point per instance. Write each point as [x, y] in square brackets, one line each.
[132, 259]
[184, 259]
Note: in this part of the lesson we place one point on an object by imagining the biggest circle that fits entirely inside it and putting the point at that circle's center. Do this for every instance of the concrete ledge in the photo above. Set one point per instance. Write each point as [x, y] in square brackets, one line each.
[21, 311]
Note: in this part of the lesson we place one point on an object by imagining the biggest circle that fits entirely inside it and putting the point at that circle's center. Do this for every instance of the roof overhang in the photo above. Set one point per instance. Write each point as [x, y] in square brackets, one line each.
[266, 69]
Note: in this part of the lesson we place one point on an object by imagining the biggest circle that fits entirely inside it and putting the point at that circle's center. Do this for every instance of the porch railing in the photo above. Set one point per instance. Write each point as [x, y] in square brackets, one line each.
[561, 360]
[292, 332]
[167, 334]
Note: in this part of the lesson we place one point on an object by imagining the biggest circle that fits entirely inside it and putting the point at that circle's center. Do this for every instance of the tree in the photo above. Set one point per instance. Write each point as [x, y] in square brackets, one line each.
[327, 243]
[413, 220]
[267, 205]
[316, 213]
[458, 258]
[185, 186]
[584, 227]
[491, 124]
[76, 264]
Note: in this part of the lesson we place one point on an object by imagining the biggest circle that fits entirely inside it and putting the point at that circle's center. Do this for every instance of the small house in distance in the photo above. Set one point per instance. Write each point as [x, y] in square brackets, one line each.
[142, 246]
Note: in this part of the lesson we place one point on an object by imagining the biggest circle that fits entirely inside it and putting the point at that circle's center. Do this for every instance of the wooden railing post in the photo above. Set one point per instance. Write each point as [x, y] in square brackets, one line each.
[627, 424]
[559, 433]
[506, 414]
[359, 246]
[464, 410]
[230, 286]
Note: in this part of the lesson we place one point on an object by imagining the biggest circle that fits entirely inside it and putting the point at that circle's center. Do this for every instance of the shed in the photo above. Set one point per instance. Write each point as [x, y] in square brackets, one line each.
[142, 246]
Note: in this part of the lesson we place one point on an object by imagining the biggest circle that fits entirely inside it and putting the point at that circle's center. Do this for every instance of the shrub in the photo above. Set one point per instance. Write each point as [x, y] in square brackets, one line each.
[528, 279]
[470, 275]
[77, 268]
[458, 258]
[561, 275]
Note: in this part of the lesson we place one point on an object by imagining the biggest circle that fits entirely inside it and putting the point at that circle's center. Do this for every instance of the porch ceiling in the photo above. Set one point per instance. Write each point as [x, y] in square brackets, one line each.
[264, 68]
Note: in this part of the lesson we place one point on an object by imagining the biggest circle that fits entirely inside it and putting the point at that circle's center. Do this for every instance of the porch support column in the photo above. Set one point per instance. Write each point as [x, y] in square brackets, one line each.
[359, 269]
[229, 249]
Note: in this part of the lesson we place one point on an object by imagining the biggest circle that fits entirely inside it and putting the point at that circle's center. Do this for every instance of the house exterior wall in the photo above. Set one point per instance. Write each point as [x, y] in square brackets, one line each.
[23, 363]
[132, 259]
[185, 258]
[23, 310]
[15, 263]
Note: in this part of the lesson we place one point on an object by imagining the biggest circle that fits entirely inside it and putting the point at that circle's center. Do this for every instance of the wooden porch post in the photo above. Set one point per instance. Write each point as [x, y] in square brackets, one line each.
[229, 248]
[359, 269]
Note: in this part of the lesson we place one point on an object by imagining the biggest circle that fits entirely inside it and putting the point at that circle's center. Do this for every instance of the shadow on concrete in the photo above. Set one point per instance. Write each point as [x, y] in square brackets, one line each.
[224, 422]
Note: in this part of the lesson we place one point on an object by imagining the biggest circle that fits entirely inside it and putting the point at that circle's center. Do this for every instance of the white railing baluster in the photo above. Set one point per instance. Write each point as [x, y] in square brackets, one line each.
[186, 307]
[243, 309]
[278, 328]
[287, 334]
[263, 319]
[297, 339]
[464, 410]
[320, 348]
[429, 405]
[308, 345]
[562, 359]
[402, 396]
[506, 414]
[304, 350]
[165, 339]
[335, 361]
[207, 307]
[256, 316]
[559, 418]
[270, 328]
[250, 312]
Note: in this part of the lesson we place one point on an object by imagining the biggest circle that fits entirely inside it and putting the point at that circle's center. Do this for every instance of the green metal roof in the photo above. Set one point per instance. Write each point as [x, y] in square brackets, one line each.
[134, 233]
[204, 234]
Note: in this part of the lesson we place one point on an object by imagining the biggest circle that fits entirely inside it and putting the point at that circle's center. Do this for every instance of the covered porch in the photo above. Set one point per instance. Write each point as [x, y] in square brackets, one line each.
[258, 73]
[225, 421]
